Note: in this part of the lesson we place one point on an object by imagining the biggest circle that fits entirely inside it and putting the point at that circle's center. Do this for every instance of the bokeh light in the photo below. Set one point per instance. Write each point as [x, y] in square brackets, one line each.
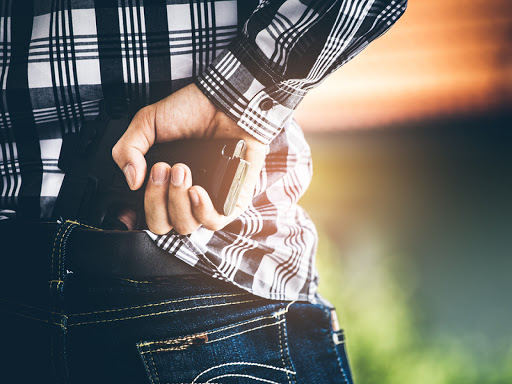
[441, 58]
[412, 196]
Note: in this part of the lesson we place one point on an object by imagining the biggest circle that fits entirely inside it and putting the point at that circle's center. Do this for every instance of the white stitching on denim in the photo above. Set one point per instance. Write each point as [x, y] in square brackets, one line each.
[241, 375]
[160, 303]
[68, 229]
[169, 349]
[284, 310]
[242, 332]
[57, 279]
[242, 363]
[285, 338]
[53, 253]
[147, 367]
[238, 324]
[185, 346]
[281, 352]
[184, 341]
[174, 341]
[68, 224]
[183, 338]
[83, 225]
[134, 281]
[161, 313]
[338, 357]
[278, 314]
[154, 369]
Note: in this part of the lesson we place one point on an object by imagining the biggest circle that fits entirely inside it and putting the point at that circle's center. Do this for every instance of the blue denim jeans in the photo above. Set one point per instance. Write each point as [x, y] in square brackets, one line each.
[176, 329]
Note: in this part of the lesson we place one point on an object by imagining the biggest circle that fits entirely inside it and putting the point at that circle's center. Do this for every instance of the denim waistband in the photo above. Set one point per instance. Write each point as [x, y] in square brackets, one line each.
[79, 318]
[43, 253]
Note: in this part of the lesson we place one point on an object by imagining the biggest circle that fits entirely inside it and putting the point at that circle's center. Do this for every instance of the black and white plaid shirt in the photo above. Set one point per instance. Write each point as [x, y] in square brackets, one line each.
[254, 60]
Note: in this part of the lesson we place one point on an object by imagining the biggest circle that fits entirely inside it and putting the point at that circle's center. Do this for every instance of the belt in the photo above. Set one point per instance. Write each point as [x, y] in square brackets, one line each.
[28, 249]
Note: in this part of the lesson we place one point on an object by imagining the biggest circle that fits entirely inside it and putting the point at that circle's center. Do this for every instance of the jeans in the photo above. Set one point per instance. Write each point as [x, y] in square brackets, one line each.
[186, 328]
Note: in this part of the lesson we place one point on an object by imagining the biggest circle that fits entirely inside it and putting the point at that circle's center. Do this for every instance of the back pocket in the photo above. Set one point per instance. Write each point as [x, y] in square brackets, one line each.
[253, 351]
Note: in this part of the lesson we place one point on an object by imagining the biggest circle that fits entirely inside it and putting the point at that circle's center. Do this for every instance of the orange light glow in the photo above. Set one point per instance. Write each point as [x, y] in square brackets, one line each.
[441, 58]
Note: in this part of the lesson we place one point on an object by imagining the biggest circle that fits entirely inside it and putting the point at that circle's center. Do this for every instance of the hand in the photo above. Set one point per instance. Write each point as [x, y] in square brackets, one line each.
[171, 200]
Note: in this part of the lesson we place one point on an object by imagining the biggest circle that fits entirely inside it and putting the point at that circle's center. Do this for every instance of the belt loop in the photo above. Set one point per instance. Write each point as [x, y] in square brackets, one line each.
[56, 282]
[57, 265]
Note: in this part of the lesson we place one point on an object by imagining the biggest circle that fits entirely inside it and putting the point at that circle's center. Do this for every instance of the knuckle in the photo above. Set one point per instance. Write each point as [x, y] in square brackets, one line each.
[214, 225]
[141, 113]
[183, 229]
[159, 229]
[144, 116]
[116, 151]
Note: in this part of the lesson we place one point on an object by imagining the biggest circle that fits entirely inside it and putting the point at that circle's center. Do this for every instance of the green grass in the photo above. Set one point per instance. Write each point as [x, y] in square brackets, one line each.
[375, 300]
[414, 249]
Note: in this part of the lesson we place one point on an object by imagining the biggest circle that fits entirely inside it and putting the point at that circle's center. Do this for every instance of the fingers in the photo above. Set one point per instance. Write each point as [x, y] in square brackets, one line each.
[179, 207]
[166, 200]
[204, 211]
[172, 202]
[155, 199]
[168, 203]
[184, 114]
[129, 151]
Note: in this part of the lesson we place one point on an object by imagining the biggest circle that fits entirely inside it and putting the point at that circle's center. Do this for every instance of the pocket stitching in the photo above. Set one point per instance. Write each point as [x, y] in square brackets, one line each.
[148, 370]
[152, 373]
[242, 363]
[239, 375]
[154, 368]
[283, 335]
[246, 331]
[161, 313]
[278, 317]
[201, 297]
[183, 338]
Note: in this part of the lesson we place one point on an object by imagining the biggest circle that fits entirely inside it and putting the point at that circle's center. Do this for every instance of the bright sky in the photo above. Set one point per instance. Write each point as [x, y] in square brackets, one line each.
[442, 57]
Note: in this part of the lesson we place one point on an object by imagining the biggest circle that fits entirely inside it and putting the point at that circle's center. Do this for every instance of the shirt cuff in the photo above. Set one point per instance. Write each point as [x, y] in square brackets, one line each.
[250, 91]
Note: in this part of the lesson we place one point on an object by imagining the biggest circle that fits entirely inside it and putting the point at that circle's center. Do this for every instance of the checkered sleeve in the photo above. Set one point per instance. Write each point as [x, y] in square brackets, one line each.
[287, 48]
[269, 250]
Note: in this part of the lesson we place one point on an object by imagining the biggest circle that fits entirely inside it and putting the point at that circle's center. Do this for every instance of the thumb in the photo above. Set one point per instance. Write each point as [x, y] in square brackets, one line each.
[129, 151]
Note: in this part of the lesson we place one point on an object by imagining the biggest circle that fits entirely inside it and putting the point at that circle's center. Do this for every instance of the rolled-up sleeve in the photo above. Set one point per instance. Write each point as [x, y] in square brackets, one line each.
[285, 49]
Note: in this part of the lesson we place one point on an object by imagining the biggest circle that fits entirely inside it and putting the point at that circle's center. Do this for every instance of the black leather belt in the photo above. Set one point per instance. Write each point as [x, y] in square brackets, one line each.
[27, 250]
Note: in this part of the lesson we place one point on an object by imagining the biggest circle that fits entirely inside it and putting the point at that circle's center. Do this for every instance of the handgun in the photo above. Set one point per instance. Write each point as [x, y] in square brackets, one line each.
[95, 190]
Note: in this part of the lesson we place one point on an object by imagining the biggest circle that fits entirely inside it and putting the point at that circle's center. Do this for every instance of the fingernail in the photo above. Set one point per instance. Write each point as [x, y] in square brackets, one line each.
[159, 174]
[177, 176]
[194, 197]
[129, 173]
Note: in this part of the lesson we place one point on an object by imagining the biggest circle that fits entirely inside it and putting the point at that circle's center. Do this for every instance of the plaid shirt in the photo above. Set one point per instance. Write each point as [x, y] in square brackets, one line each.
[255, 61]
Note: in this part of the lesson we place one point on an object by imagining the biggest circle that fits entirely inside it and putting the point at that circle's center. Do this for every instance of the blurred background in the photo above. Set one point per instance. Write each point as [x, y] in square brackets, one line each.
[412, 196]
